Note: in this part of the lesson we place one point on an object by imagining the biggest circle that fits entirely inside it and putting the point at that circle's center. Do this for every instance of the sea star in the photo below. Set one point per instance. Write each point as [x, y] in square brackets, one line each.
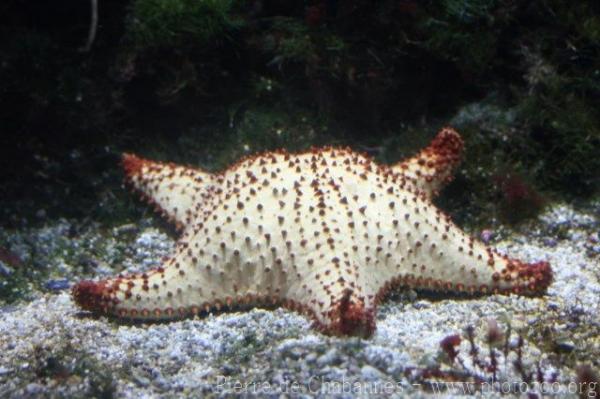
[326, 232]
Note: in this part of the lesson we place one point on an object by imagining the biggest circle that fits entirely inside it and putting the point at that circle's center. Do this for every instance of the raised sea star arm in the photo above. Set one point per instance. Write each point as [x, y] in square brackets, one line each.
[171, 188]
[433, 166]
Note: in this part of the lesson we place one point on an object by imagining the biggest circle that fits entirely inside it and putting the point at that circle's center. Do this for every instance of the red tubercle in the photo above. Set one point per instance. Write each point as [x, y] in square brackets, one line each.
[132, 164]
[447, 143]
[351, 318]
[531, 278]
[542, 274]
[91, 295]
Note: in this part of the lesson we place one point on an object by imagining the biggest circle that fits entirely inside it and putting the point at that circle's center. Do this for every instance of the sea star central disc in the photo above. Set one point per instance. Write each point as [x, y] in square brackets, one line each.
[326, 232]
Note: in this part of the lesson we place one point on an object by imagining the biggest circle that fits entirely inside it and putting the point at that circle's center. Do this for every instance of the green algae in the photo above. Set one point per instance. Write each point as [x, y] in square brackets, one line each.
[63, 250]
[170, 77]
[82, 375]
[180, 23]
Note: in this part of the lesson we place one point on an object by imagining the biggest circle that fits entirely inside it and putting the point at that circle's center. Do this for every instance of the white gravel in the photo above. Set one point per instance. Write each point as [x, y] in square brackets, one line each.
[49, 348]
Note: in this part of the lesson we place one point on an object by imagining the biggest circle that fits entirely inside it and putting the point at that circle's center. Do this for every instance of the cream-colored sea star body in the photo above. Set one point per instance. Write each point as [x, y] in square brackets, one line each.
[327, 232]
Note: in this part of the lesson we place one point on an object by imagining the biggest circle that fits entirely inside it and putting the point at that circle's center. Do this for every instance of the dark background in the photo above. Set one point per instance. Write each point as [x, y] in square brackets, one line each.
[196, 82]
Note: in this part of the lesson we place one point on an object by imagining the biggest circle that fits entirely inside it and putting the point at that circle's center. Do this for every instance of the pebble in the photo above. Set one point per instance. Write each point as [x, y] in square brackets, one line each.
[57, 285]
[553, 306]
[421, 304]
[129, 228]
[140, 379]
[487, 235]
[5, 270]
[370, 373]
[330, 357]
[565, 346]
[34, 388]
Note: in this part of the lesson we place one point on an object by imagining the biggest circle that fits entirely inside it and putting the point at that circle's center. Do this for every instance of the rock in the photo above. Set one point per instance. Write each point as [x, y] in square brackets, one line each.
[34, 389]
[57, 285]
[487, 235]
[128, 228]
[140, 379]
[5, 270]
[370, 373]
[422, 304]
[565, 346]
[328, 358]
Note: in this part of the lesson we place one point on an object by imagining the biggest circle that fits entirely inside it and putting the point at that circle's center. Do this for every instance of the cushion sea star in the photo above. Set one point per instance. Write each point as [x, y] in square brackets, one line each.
[327, 232]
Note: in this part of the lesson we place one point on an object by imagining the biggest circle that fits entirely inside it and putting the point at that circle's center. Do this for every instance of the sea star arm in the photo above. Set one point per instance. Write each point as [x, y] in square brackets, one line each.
[400, 239]
[431, 252]
[196, 280]
[164, 293]
[418, 245]
[173, 189]
[432, 167]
